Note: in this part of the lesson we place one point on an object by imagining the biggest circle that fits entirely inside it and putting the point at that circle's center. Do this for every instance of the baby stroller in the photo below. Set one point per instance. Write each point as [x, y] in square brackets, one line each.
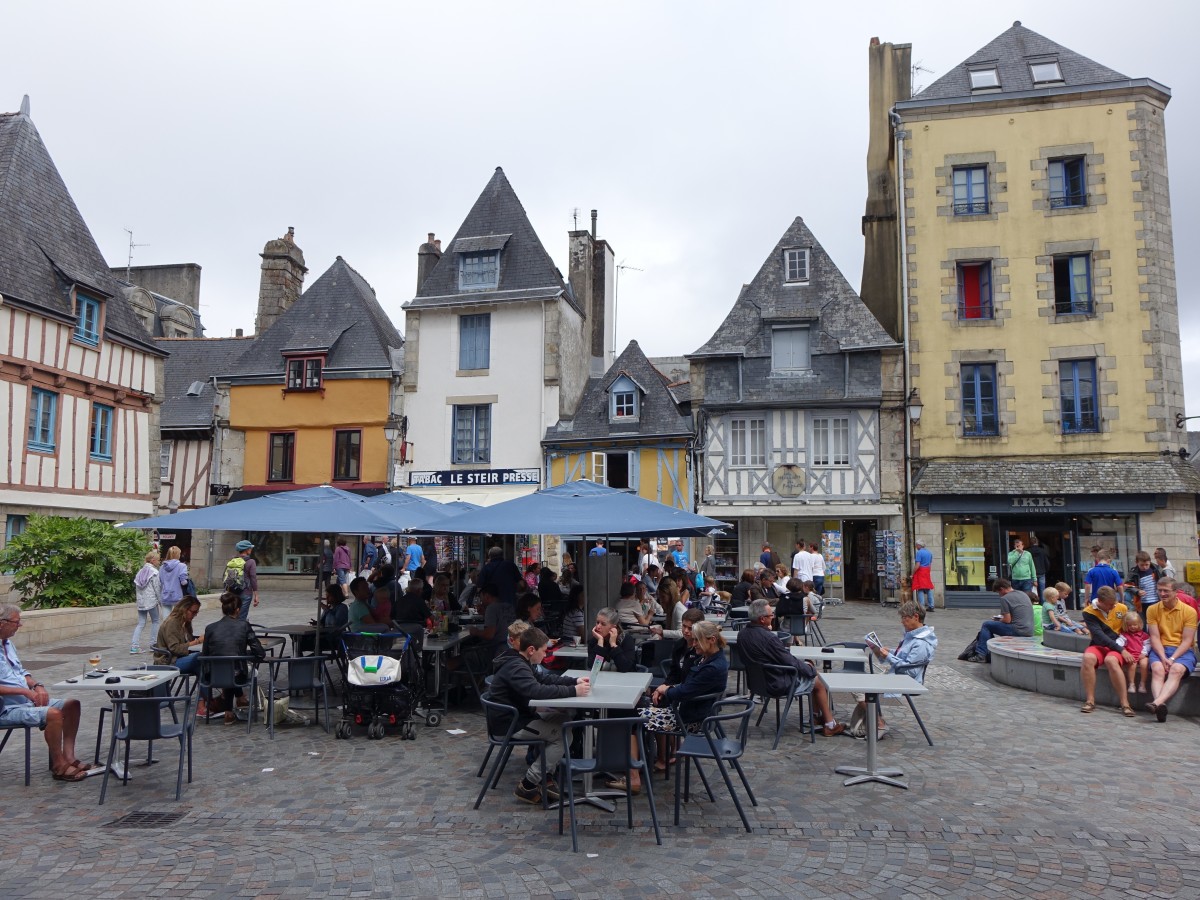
[383, 685]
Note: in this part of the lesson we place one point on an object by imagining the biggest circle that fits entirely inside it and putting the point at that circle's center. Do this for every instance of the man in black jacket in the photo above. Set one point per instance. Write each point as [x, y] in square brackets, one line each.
[760, 646]
[515, 683]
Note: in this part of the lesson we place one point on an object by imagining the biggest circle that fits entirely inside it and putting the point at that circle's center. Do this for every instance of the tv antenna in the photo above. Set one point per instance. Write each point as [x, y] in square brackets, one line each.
[620, 267]
[129, 259]
[575, 217]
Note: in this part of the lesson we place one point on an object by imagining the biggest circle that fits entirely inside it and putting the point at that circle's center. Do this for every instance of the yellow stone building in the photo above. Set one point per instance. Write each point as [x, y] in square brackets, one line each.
[1042, 320]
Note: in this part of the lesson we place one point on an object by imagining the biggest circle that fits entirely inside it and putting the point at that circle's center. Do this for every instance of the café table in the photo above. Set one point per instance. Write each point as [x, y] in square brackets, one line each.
[440, 646]
[275, 636]
[117, 683]
[610, 690]
[730, 636]
[829, 655]
[872, 684]
[578, 651]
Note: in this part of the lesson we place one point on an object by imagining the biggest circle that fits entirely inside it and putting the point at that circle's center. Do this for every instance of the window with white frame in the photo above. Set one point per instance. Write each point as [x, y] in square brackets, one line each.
[472, 434]
[831, 441]
[984, 78]
[789, 350]
[747, 442]
[164, 460]
[795, 265]
[624, 403]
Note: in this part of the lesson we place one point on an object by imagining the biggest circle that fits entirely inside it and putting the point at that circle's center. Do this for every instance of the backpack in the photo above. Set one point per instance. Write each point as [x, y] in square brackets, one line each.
[235, 575]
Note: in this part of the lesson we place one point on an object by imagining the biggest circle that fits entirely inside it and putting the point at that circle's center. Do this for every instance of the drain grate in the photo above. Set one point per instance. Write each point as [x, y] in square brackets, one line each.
[146, 820]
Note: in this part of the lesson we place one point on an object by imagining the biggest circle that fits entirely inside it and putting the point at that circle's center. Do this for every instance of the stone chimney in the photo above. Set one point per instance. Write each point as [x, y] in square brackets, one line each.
[281, 281]
[890, 80]
[427, 257]
[591, 274]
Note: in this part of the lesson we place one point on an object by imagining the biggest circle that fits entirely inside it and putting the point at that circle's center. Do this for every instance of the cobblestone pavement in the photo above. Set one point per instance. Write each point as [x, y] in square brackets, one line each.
[1003, 805]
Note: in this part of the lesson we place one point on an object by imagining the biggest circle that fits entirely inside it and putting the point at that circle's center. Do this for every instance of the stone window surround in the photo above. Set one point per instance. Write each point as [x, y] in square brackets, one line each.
[1101, 275]
[1005, 394]
[1093, 164]
[944, 175]
[1001, 308]
[1106, 390]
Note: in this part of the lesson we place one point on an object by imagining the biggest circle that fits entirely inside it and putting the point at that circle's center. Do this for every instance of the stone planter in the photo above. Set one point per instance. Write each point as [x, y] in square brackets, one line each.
[44, 627]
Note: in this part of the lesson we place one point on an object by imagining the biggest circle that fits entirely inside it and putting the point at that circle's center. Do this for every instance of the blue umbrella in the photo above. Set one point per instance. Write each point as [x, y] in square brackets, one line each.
[581, 507]
[426, 513]
[319, 509]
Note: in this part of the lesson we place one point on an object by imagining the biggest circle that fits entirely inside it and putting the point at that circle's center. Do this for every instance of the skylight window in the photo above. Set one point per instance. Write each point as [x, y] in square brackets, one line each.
[984, 79]
[1045, 71]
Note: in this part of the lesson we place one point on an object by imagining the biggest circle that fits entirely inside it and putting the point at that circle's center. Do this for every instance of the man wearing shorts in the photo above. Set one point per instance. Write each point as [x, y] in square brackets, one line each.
[1103, 617]
[1172, 627]
[27, 702]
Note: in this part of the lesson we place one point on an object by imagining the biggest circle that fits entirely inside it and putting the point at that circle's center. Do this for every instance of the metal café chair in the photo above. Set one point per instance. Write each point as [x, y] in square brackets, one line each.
[219, 673]
[503, 723]
[612, 752]
[8, 730]
[756, 683]
[140, 719]
[911, 670]
[304, 673]
[714, 744]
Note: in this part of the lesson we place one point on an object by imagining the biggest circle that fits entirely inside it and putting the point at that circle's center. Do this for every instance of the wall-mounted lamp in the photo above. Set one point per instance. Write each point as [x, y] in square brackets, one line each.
[915, 406]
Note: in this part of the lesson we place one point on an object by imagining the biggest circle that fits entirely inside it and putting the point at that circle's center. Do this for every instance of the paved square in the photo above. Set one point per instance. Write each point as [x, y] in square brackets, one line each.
[1008, 803]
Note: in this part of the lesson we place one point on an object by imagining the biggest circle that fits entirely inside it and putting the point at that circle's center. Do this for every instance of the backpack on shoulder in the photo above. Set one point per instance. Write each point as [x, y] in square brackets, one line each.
[235, 575]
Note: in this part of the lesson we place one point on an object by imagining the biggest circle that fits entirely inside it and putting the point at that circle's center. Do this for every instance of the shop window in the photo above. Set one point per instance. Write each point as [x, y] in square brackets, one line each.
[970, 551]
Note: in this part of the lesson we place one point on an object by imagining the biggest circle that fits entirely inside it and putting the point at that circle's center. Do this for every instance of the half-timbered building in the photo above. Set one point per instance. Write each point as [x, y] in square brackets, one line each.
[797, 429]
[80, 378]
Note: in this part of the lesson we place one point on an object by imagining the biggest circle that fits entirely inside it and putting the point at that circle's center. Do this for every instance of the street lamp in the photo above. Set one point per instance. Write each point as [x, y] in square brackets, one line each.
[915, 407]
[391, 431]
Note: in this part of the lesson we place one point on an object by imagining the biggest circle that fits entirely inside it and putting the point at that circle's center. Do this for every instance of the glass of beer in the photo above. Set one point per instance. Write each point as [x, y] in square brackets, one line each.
[94, 660]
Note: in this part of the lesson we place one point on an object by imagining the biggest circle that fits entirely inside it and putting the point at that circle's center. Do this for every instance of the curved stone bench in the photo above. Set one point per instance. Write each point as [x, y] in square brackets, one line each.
[1024, 662]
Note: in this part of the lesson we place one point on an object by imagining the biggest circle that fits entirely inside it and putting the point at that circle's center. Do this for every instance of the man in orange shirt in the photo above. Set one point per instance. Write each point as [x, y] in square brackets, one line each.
[1172, 627]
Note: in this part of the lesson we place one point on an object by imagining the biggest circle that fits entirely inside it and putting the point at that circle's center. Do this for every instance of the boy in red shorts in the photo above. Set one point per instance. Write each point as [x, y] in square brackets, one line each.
[1103, 617]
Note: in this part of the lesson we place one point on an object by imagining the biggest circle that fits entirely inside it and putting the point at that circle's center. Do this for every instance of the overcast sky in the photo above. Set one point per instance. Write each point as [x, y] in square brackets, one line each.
[699, 130]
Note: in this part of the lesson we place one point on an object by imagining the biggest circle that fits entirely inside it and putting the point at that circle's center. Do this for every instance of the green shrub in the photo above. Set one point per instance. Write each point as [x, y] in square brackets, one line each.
[59, 562]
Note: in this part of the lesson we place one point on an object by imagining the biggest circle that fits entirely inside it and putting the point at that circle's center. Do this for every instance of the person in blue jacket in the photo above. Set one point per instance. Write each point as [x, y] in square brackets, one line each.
[707, 676]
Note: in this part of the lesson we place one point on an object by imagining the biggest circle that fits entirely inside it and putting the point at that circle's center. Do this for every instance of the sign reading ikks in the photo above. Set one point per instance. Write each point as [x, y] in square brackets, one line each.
[1039, 504]
[474, 477]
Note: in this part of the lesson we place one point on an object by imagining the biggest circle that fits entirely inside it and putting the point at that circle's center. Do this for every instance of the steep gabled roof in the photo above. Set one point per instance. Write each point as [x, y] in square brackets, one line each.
[841, 321]
[497, 221]
[194, 360]
[659, 415]
[1012, 52]
[45, 246]
[338, 315]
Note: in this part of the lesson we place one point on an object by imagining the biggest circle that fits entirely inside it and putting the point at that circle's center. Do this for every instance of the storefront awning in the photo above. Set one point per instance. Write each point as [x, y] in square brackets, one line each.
[727, 511]
[484, 496]
[1055, 476]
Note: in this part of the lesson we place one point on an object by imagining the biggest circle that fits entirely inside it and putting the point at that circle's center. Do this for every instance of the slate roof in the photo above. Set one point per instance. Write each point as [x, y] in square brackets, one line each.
[338, 315]
[45, 246]
[1011, 52]
[660, 416]
[496, 220]
[191, 360]
[1059, 475]
[842, 321]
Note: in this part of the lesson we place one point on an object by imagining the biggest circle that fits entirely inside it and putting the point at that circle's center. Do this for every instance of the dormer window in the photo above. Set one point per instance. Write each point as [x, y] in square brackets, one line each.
[624, 404]
[87, 322]
[790, 351]
[479, 271]
[795, 266]
[304, 373]
[985, 79]
[1045, 71]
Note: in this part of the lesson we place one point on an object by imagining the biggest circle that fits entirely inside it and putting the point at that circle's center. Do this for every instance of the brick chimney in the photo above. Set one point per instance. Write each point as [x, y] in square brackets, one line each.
[427, 257]
[591, 272]
[281, 281]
